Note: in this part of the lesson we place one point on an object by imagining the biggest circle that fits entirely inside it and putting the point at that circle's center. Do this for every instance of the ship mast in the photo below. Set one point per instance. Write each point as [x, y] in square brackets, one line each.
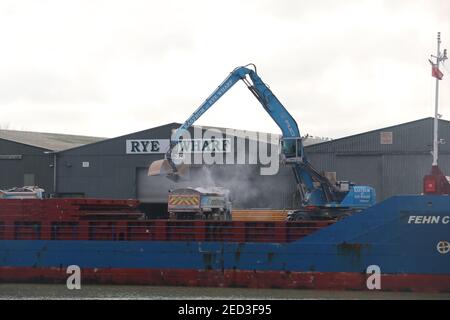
[436, 183]
[439, 57]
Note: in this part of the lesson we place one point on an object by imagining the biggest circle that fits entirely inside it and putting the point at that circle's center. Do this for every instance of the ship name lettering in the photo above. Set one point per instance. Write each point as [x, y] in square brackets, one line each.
[429, 219]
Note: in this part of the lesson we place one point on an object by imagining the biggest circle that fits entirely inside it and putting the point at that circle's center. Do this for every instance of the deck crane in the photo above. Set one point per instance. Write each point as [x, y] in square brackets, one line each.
[320, 197]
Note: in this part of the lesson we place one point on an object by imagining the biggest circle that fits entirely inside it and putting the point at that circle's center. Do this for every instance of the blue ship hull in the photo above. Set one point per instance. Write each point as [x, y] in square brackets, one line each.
[406, 237]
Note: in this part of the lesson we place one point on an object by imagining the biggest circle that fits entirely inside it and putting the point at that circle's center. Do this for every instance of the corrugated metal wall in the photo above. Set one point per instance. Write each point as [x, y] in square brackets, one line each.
[32, 161]
[409, 137]
[396, 168]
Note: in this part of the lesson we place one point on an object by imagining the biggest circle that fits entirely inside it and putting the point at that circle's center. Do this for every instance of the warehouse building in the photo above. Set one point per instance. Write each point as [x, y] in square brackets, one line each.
[26, 158]
[393, 160]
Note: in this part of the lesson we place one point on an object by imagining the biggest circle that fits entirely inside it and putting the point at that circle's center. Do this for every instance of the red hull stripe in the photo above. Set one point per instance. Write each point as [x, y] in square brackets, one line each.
[232, 278]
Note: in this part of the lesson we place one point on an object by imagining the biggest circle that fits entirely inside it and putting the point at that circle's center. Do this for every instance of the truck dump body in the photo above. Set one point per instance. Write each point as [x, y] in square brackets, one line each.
[405, 236]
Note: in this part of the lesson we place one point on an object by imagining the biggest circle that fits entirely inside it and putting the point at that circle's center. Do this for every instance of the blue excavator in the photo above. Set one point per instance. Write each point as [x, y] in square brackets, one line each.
[321, 198]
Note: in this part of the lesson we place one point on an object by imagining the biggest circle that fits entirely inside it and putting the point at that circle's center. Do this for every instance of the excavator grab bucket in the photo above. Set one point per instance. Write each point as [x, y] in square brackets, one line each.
[163, 167]
[159, 167]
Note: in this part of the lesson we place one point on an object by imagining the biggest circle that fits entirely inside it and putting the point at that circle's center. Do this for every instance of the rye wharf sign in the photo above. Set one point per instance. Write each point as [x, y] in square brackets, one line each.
[147, 146]
[203, 146]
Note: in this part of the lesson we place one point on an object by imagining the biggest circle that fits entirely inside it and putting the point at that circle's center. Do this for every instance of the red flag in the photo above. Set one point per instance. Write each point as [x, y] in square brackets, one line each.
[435, 72]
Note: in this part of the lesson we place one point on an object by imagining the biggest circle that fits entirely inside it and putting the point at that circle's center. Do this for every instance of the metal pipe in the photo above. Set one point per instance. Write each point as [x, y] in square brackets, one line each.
[54, 170]
[436, 102]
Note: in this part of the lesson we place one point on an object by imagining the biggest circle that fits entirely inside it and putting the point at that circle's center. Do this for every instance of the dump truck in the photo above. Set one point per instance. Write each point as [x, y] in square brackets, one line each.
[199, 203]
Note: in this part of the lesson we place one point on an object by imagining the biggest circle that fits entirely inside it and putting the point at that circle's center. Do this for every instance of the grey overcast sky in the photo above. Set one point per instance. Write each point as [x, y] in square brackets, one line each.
[107, 68]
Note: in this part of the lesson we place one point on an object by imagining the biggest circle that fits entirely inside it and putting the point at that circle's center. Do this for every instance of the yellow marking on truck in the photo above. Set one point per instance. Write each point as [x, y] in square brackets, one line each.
[177, 200]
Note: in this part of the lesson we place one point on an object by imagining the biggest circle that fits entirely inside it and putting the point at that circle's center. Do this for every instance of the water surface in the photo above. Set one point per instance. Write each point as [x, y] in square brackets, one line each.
[59, 291]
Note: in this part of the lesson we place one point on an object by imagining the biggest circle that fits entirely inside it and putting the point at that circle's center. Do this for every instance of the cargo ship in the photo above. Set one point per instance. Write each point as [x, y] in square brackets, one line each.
[406, 237]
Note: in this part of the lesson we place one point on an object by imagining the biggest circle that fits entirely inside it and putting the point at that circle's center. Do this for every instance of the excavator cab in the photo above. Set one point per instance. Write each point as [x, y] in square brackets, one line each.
[292, 149]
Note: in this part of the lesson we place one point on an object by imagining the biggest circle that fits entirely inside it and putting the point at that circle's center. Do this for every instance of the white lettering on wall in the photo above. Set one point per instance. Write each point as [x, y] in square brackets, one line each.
[145, 146]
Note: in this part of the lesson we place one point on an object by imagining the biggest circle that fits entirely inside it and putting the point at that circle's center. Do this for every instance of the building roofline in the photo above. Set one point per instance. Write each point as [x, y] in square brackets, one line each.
[375, 130]
[49, 139]
[26, 144]
[176, 125]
